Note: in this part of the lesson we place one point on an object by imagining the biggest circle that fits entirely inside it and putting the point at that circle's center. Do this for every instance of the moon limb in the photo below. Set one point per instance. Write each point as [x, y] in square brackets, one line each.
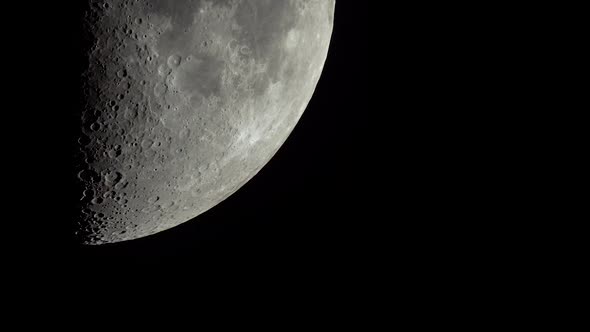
[185, 101]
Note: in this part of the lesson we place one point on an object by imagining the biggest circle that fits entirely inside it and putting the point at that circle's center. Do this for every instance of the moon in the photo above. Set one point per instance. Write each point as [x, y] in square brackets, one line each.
[182, 102]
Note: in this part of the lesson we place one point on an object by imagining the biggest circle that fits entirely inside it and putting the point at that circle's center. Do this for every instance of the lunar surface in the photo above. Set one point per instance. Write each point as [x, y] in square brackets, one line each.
[182, 102]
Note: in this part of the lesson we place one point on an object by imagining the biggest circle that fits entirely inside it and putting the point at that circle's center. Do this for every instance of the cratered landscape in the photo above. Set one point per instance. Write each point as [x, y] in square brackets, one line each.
[182, 102]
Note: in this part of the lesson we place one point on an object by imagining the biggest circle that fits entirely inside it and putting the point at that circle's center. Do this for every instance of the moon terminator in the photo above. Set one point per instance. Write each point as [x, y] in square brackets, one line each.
[183, 102]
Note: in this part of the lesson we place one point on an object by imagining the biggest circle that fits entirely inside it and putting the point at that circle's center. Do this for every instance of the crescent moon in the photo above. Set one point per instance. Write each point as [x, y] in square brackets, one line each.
[183, 102]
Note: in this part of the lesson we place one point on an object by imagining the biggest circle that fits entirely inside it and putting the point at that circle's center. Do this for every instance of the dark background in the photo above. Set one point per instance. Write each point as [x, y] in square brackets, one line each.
[309, 205]
[405, 96]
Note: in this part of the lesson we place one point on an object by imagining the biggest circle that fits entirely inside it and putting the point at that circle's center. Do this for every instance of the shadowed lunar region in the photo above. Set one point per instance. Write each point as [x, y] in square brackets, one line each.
[182, 102]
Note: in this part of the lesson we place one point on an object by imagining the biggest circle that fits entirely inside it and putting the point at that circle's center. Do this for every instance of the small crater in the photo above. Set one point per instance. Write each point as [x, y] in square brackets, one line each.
[97, 200]
[245, 50]
[160, 89]
[163, 70]
[184, 133]
[88, 175]
[174, 61]
[122, 73]
[95, 126]
[112, 178]
[146, 143]
[114, 153]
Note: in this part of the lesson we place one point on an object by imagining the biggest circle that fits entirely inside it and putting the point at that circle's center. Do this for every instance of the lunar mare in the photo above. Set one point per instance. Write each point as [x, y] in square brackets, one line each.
[182, 102]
